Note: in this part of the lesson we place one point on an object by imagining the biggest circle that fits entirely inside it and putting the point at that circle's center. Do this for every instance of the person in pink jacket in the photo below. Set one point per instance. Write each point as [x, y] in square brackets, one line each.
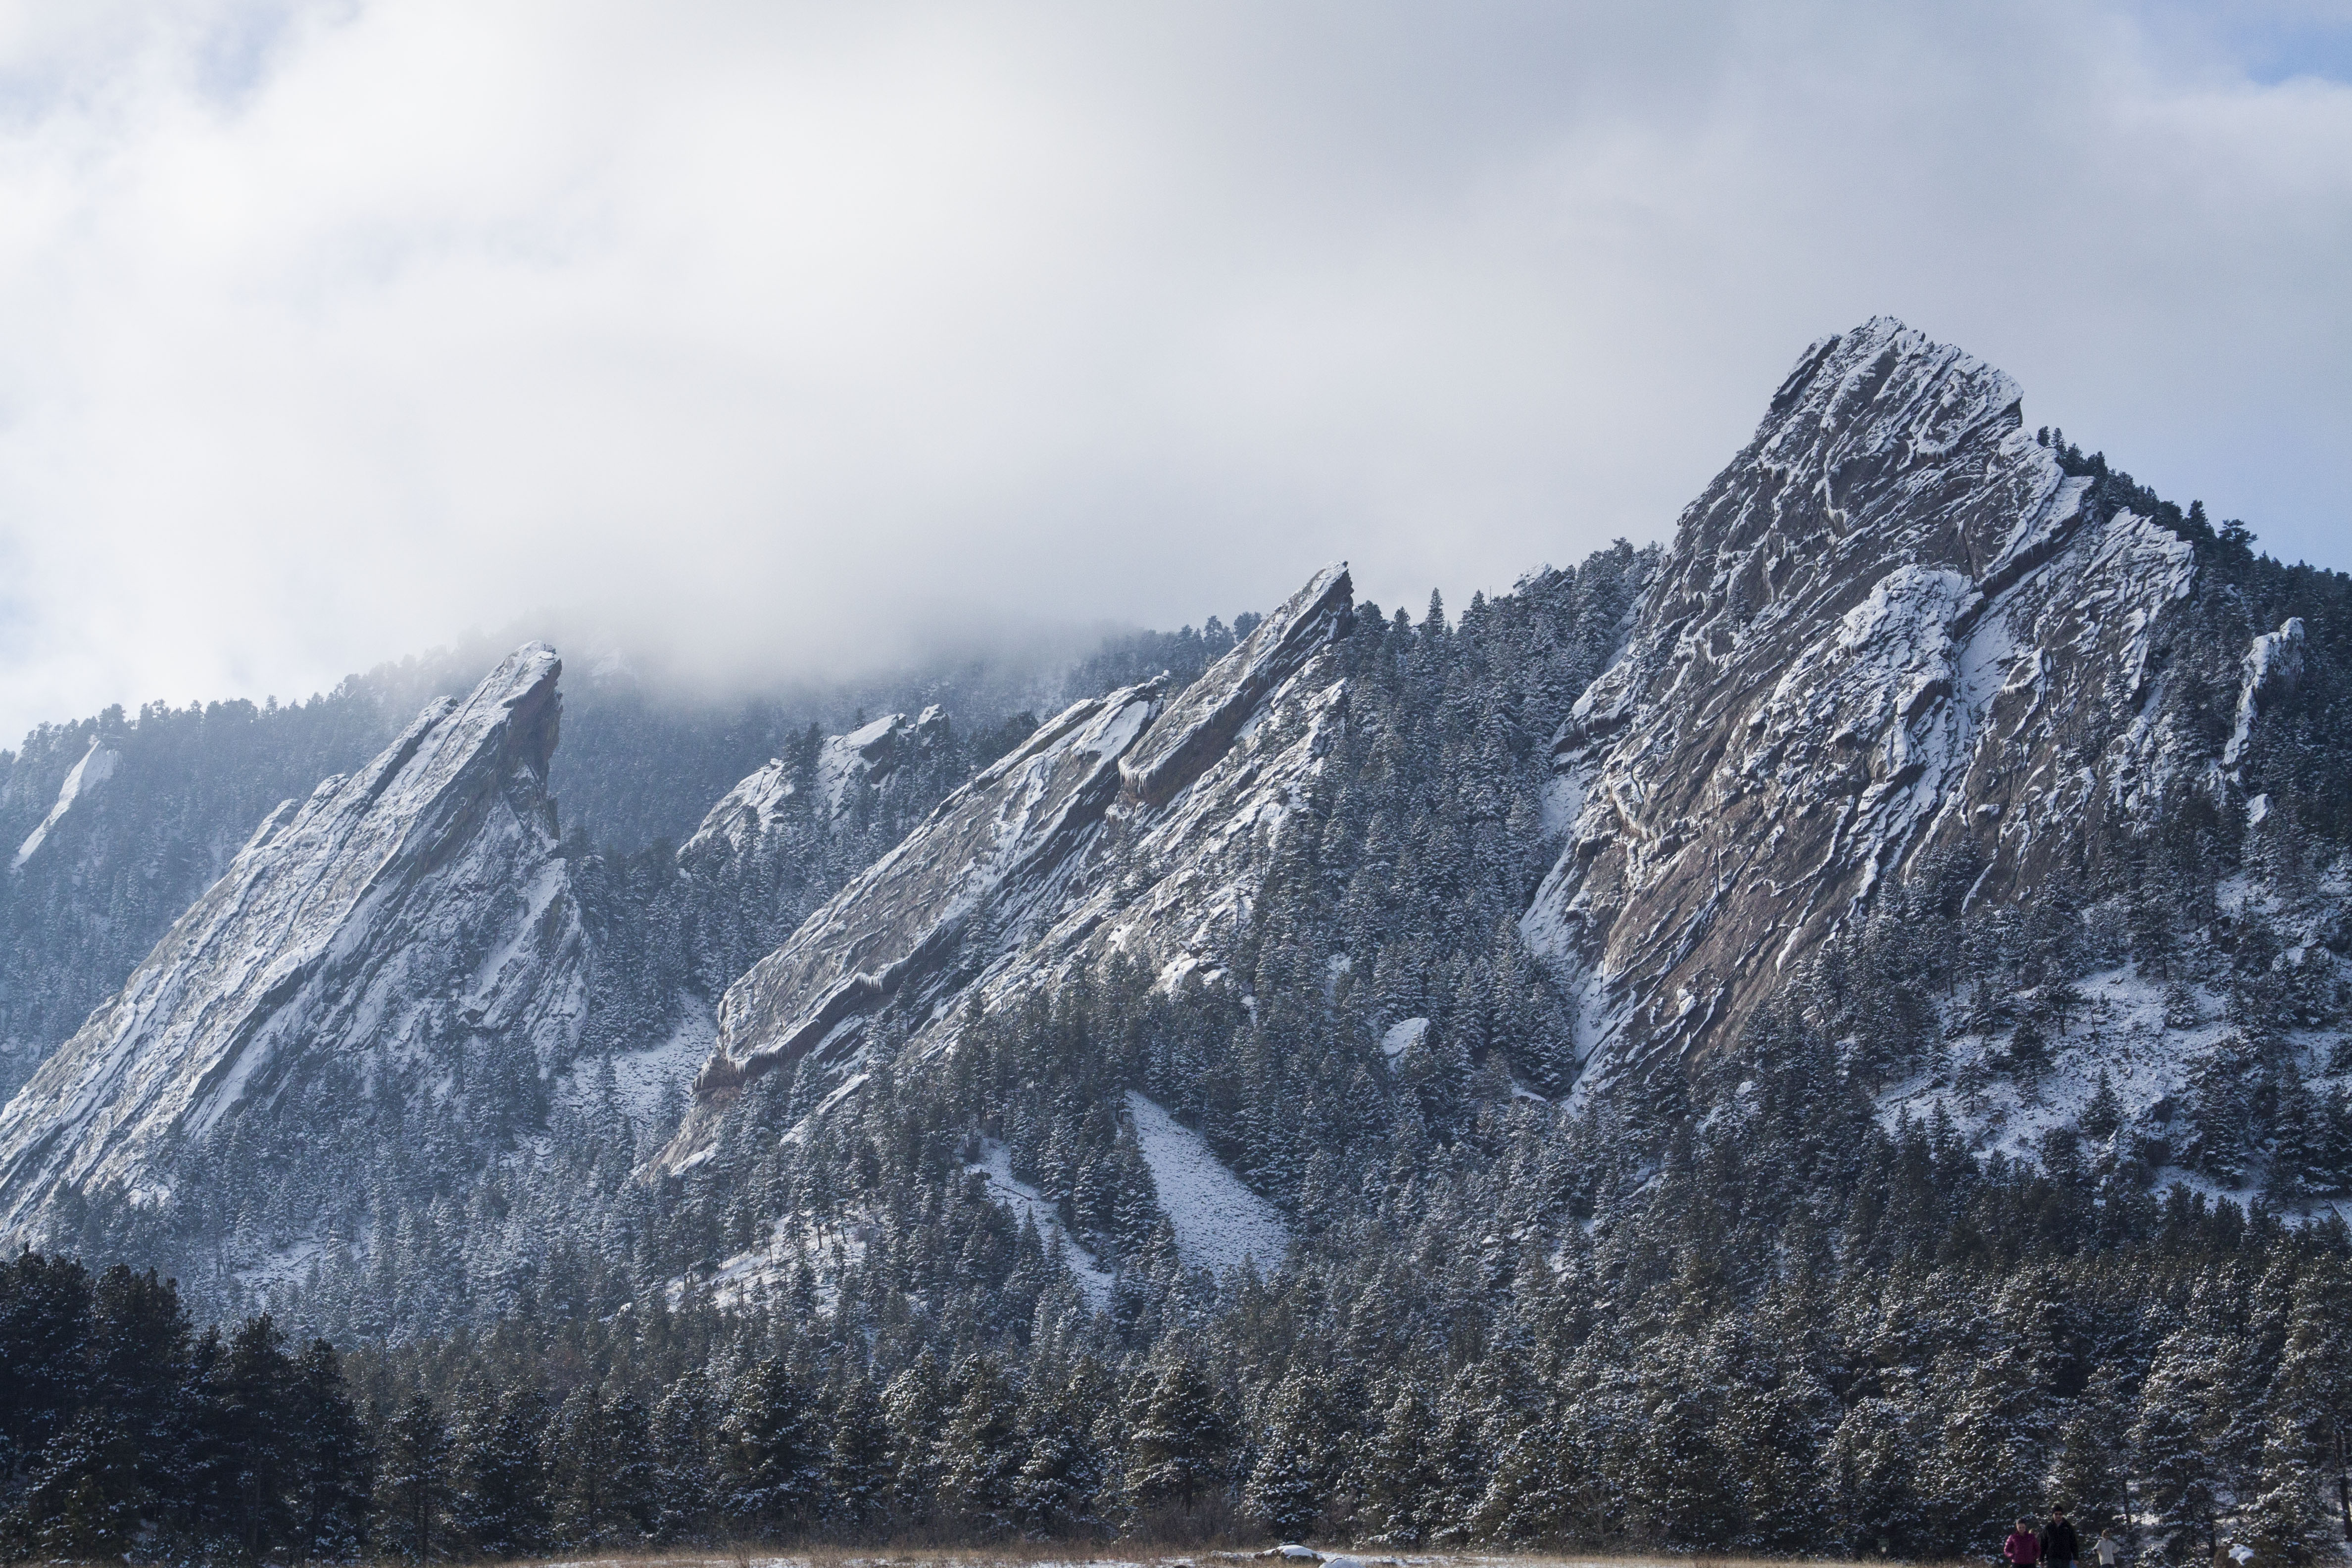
[2023, 1548]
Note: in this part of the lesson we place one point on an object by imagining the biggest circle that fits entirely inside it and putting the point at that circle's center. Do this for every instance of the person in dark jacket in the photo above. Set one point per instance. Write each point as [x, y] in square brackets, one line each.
[2023, 1548]
[2061, 1547]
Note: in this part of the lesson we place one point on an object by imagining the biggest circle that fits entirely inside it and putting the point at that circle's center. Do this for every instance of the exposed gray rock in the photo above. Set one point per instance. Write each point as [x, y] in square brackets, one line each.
[871, 753]
[1891, 627]
[1129, 821]
[1201, 723]
[415, 903]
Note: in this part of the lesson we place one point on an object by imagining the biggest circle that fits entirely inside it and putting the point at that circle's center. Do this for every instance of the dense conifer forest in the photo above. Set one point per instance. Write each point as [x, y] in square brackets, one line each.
[1740, 1309]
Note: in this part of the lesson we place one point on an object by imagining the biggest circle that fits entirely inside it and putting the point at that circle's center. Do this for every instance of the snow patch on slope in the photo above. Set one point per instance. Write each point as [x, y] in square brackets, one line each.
[2121, 1034]
[1403, 1035]
[1219, 1223]
[651, 1084]
[1010, 1193]
[96, 767]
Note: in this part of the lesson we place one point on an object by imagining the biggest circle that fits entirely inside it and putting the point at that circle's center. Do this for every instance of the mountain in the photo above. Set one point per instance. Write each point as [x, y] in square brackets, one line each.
[112, 826]
[1924, 723]
[1131, 823]
[755, 809]
[411, 919]
[1894, 629]
[1812, 1038]
[1907, 733]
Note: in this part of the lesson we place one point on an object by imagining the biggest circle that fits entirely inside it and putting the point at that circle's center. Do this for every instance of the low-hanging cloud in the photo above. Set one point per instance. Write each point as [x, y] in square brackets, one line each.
[788, 340]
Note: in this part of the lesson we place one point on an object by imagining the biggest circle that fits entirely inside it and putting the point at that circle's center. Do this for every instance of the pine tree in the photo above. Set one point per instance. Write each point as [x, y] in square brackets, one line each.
[1400, 1478]
[914, 1410]
[978, 1454]
[2086, 1474]
[1063, 1469]
[776, 1453]
[2177, 1485]
[584, 1458]
[1881, 1451]
[413, 1486]
[2001, 1420]
[1176, 1450]
[333, 1473]
[1291, 1477]
[857, 1455]
[2291, 1518]
[503, 1504]
[684, 1433]
[245, 1466]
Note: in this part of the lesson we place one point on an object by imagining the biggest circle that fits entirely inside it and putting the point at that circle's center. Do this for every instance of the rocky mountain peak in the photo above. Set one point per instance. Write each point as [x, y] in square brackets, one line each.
[415, 908]
[871, 754]
[1891, 627]
[1127, 814]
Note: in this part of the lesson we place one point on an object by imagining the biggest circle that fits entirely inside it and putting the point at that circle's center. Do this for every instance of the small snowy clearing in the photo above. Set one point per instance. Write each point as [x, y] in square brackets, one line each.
[1219, 1222]
[290, 1265]
[1402, 1036]
[2120, 1032]
[651, 1083]
[1010, 1193]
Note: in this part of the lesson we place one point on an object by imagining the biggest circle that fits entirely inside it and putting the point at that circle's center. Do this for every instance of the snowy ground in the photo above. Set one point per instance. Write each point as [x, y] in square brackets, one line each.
[2120, 1032]
[287, 1266]
[1067, 1554]
[1018, 1196]
[827, 1245]
[1219, 1222]
[652, 1082]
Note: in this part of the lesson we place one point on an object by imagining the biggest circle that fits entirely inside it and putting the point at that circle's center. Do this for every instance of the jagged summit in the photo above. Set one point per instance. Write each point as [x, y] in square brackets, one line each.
[1891, 627]
[1105, 810]
[1201, 723]
[872, 754]
[415, 906]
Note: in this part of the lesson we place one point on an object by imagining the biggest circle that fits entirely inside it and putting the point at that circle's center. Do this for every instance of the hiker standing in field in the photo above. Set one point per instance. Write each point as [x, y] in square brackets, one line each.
[2023, 1548]
[2061, 1547]
[2105, 1549]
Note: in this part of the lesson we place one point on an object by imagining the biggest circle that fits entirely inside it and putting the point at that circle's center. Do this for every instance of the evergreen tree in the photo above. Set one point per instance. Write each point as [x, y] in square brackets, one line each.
[684, 1427]
[1291, 1477]
[2177, 1485]
[979, 1457]
[502, 1504]
[857, 1457]
[1177, 1448]
[333, 1474]
[413, 1485]
[775, 1451]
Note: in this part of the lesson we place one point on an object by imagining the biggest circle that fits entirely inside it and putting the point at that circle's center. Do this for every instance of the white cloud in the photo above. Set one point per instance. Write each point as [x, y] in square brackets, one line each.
[787, 336]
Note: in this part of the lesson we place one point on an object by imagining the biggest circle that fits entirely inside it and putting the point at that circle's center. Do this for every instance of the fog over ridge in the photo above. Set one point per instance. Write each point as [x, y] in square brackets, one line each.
[794, 339]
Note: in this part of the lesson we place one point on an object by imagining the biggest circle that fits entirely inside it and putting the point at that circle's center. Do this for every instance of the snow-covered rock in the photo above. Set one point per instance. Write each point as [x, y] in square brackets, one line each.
[1892, 626]
[1130, 823]
[870, 755]
[2274, 663]
[411, 911]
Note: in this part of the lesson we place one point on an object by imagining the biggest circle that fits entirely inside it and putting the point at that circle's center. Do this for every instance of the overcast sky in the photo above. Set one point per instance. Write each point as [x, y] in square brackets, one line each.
[783, 339]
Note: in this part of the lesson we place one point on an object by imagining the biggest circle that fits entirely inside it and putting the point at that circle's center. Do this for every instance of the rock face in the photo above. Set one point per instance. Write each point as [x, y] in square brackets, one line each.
[1891, 628]
[1133, 821]
[874, 754]
[412, 914]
